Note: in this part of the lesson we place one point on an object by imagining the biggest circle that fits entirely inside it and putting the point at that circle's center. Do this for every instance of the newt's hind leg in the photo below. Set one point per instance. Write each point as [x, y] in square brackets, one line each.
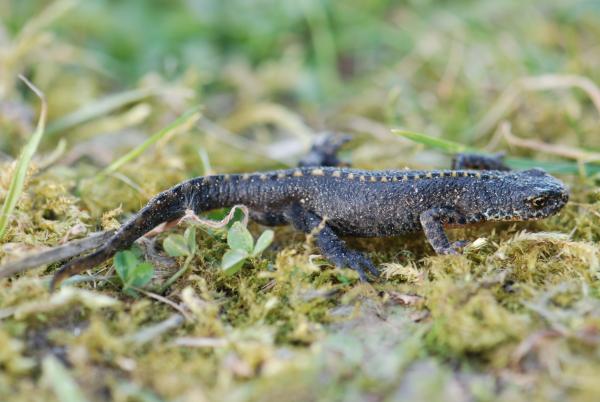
[331, 246]
[479, 162]
[324, 150]
[322, 153]
[269, 218]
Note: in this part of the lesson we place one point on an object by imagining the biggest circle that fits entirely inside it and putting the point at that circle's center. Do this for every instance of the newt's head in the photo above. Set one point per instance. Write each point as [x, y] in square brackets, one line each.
[527, 195]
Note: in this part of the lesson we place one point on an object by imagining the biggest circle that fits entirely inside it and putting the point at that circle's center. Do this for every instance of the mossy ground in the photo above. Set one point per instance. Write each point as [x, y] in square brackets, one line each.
[515, 318]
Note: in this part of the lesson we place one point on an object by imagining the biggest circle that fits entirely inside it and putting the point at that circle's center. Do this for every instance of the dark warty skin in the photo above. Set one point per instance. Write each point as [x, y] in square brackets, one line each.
[330, 202]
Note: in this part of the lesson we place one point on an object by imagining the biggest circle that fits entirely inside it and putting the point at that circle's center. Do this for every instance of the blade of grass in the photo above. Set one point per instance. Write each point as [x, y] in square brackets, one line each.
[185, 119]
[18, 180]
[452, 147]
[99, 108]
[433, 142]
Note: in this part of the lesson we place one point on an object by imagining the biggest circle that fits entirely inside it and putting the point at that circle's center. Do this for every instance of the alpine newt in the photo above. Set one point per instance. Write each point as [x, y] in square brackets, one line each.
[330, 201]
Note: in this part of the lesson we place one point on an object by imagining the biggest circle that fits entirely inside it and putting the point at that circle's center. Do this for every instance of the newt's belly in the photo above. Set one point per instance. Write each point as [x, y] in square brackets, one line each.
[375, 219]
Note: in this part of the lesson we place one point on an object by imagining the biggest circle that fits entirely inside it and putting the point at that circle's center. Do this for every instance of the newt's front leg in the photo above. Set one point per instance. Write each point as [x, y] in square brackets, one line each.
[433, 221]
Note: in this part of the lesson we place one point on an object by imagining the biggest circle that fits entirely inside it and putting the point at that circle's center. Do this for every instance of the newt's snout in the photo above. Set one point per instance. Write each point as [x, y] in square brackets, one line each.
[530, 195]
[549, 196]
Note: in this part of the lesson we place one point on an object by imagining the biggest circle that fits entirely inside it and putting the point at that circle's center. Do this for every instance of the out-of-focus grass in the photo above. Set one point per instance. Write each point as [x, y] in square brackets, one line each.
[514, 318]
[19, 172]
[182, 122]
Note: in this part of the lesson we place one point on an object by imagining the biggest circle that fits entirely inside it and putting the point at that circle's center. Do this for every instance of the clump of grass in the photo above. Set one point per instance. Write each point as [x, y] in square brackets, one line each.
[17, 183]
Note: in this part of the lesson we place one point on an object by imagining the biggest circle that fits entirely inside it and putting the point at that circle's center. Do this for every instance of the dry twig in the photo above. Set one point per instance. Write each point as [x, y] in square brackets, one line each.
[59, 253]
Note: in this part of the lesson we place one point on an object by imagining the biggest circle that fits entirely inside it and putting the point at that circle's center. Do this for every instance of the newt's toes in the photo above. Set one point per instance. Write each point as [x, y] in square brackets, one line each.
[356, 261]
[361, 273]
[459, 245]
[371, 267]
[449, 251]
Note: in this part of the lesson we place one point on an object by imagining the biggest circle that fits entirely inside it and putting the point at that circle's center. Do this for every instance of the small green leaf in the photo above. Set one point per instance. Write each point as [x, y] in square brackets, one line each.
[265, 239]
[233, 260]
[141, 274]
[176, 246]
[239, 238]
[190, 239]
[132, 272]
[125, 262]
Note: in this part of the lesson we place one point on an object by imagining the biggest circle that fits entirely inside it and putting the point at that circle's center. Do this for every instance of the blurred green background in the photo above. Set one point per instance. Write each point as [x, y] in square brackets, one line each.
[431, 66]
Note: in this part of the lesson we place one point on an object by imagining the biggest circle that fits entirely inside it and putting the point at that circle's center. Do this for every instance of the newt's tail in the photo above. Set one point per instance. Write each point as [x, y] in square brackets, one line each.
[166, 206]
[199, 194]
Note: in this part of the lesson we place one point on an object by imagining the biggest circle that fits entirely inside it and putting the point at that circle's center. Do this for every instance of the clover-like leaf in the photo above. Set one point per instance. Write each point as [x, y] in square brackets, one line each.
[190, 239]
[233, 260]
[176, 245]
[125, 262]
[239, 238]
[141, 275]
[132, 272]
[263, 241]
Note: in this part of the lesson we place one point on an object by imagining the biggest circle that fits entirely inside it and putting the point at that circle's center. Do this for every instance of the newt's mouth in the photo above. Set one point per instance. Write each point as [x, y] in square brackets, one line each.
[552, 207]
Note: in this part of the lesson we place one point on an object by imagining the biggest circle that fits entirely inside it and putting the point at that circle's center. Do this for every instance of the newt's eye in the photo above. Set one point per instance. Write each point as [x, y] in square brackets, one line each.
[538, 202]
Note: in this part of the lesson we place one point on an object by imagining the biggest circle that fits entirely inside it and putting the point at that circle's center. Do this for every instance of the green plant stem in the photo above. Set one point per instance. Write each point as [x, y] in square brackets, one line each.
[177, 275]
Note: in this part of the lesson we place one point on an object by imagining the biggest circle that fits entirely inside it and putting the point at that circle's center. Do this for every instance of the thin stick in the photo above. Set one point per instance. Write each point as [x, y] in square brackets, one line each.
[166, 301]
[509, 98]
[151, 332]
[559, 150]
[59, 253]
